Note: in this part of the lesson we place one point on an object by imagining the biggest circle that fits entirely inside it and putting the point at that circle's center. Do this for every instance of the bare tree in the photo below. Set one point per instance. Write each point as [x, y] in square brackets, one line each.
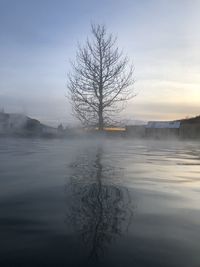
[99, 83]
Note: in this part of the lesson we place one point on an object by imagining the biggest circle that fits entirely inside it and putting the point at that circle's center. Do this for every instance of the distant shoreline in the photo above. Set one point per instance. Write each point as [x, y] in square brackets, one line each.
[17, 125]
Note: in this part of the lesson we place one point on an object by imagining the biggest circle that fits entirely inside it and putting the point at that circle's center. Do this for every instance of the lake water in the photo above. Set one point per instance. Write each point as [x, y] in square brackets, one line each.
[99, 203]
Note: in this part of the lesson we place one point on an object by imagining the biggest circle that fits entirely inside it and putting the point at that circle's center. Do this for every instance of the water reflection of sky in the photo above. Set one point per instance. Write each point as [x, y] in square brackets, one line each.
[106, 203]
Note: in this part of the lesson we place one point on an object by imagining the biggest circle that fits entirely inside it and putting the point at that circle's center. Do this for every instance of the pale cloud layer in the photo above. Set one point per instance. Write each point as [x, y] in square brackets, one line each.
[161, 37]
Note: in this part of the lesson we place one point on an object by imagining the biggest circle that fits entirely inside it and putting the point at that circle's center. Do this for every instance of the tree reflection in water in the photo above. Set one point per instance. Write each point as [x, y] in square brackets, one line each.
[100, 208]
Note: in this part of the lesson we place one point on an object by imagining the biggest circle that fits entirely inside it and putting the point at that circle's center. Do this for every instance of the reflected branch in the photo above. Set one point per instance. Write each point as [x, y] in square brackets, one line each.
[100, 208]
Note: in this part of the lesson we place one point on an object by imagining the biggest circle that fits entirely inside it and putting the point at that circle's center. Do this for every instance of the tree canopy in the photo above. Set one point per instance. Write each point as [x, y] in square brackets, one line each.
[100, 81]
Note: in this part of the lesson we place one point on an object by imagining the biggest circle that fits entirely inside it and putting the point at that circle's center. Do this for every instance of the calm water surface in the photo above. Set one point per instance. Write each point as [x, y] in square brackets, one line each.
[99, 203]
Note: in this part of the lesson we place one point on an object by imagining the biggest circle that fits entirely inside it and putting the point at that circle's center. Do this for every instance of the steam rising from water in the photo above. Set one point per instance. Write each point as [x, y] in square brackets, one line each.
[103, 202]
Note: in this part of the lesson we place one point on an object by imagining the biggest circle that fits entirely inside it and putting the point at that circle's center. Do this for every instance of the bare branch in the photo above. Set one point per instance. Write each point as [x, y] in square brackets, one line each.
[101, 80]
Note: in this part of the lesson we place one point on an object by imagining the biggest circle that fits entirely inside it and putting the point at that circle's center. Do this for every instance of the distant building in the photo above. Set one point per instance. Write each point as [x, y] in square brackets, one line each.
[19, 124]
[163, 124]
[12, 123]
[161, 129]
[154, 129]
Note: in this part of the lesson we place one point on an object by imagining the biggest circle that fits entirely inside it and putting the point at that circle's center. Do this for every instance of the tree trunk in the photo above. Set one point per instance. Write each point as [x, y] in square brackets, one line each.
[100, 125]
[99, 83]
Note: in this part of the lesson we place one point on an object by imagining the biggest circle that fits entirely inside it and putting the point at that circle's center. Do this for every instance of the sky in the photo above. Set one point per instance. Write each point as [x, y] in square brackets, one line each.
[38, 38]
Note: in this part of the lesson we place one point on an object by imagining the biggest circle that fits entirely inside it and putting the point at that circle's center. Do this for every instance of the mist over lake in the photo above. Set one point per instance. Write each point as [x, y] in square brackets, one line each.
[99, 133]
[99, 202]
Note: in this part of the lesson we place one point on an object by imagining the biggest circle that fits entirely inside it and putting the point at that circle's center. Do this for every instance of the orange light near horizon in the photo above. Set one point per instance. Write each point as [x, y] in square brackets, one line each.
[113, 129]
